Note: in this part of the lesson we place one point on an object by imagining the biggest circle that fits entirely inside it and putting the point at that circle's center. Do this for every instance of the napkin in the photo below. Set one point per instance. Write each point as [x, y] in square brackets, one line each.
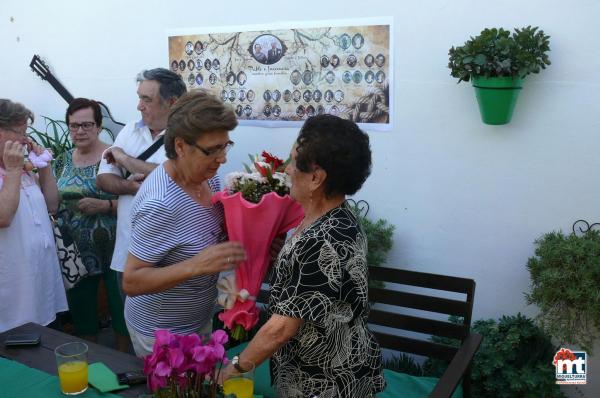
[102, 378]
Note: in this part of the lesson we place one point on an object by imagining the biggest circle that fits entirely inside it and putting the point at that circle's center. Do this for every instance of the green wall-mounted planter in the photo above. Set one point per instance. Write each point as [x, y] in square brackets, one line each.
[496, 97]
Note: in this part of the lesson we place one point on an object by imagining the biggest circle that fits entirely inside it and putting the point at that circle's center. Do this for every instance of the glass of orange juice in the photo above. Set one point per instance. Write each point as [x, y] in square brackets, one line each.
[241, 384]
[71, 359]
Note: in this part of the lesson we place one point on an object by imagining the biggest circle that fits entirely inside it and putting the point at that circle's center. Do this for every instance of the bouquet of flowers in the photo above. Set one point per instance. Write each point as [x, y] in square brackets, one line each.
[257, 209]
[262, 178]
[185, 366]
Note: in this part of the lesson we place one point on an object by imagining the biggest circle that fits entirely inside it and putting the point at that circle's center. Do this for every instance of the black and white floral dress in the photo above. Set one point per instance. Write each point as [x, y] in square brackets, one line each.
[321, 276]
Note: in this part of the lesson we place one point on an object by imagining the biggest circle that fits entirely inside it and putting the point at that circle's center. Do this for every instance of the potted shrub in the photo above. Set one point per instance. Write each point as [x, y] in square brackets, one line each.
[379, 234]
[565, 285]
[496, 63]
[513, 361]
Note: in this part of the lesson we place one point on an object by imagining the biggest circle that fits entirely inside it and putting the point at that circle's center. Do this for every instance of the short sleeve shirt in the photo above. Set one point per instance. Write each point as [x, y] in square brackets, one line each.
[168, 227]
[134, 139]
[321, 276]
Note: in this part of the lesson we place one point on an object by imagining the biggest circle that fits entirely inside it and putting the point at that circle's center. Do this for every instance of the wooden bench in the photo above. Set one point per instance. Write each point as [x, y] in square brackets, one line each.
[390, 308]
[396, 317]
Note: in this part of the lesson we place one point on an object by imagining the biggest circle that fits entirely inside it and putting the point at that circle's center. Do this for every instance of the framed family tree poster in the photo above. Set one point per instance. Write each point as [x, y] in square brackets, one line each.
[281, 74]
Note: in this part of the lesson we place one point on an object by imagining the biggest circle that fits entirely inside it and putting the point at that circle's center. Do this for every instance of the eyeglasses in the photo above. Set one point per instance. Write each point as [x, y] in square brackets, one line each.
[85, 126]
[215, 151]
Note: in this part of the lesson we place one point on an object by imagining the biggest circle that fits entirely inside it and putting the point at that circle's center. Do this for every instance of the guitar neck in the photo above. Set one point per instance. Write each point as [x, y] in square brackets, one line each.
[39, 67]
[60, 88]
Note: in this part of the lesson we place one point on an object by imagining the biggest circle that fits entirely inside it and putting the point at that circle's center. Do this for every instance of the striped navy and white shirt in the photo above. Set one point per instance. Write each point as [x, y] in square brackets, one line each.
[168, 227]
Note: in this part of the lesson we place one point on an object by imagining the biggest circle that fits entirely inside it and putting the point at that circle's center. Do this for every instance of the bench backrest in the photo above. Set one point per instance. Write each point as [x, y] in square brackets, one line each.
[400, 300]
[397, 301]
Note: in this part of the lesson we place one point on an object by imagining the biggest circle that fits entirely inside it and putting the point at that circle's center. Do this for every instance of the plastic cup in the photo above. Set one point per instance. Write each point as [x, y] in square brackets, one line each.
[71, 359]
[241, 384]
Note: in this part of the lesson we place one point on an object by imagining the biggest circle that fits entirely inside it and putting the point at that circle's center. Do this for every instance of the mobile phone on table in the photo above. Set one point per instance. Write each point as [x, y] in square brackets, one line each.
[132, 377]
[23, 339]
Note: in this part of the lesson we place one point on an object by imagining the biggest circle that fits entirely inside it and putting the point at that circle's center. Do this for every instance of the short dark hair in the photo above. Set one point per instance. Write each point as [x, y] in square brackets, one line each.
[171, 84]
[337, 146]
[195, 113]
[13, 113]
[84, 103]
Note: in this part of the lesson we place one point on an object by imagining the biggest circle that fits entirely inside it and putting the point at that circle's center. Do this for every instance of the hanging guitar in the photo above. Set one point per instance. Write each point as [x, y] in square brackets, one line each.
[40, 68]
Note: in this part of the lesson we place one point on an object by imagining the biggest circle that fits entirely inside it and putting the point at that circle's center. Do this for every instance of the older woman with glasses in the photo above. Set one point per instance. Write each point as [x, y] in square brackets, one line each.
[90, 215]
[31, 287]
[177, 243]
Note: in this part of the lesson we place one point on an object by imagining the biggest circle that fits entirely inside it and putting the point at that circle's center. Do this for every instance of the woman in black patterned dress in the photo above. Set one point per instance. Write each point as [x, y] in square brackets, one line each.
[317, 335]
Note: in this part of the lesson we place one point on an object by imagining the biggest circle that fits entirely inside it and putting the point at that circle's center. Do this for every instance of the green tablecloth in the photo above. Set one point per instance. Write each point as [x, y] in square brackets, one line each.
[18, 380]
[406, 386]
[398, 384]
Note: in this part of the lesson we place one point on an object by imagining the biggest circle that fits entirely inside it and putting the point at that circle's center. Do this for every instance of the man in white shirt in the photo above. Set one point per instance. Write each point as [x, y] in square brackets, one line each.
[121, 172]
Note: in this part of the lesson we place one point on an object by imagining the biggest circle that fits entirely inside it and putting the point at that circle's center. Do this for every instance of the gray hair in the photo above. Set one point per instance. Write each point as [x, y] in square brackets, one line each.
[171, 84]
[195, 114]
[13, 113]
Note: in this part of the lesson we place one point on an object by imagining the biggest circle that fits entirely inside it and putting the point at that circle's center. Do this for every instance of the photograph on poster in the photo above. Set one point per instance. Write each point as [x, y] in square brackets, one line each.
[279, 76]
[276, 95]
[198, 47]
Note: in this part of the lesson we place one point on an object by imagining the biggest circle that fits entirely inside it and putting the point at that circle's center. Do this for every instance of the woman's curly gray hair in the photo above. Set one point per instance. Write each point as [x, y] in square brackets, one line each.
[13, 113]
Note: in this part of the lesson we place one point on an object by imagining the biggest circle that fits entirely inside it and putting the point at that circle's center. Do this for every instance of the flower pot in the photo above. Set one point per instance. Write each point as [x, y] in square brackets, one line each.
[496, 97]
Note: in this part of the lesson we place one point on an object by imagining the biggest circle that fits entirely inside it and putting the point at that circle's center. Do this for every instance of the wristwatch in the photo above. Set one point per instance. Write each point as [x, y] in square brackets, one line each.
[235, 361]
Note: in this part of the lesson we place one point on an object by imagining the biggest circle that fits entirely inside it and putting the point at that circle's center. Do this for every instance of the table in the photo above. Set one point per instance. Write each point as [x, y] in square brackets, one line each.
[42, 356]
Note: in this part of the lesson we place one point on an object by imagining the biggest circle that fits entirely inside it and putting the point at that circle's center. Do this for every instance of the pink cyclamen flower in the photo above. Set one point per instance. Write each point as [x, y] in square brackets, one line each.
[220, 336]
[201, 353]
[155, 382]
[183, 359]
[218, 352]
[186, 343]
[162, 369]
[162, 338]
[176, 357]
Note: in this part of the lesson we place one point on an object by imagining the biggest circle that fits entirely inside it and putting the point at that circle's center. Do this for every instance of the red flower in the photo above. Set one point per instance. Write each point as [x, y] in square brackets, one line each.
[264, 171]
[274, 161]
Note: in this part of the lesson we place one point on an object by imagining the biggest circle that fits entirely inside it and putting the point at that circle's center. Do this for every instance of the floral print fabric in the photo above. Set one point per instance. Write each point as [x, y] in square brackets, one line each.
[321, 276]
[94, 235]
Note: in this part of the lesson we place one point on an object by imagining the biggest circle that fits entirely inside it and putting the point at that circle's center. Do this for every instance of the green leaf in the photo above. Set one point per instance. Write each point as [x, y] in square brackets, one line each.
[480, 59]
[514, 359]
[565, 275]
[495, 52]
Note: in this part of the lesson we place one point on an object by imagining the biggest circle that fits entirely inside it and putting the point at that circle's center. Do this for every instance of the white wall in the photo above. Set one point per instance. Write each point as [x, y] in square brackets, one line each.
[467, 199]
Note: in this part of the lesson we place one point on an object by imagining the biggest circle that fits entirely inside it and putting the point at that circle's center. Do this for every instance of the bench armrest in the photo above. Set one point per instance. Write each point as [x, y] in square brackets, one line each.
[457, 367]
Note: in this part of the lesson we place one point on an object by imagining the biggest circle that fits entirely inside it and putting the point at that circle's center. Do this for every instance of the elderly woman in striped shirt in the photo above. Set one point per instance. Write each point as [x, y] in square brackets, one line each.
[177, 245]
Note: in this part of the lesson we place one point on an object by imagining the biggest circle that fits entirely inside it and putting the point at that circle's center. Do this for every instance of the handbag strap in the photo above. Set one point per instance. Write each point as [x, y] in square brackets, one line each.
[149, 151]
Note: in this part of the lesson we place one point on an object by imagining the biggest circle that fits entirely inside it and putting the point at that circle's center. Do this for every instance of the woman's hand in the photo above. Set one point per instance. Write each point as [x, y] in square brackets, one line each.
[115, 155]
[135, 182]
[218, 258]
[226, 373]
[35, 148]
[91, 206]
[13, 156]
[142, 277]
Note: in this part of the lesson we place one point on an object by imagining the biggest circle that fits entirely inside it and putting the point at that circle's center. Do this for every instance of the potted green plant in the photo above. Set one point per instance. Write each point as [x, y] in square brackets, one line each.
[379, 234]
[496, 63]
[514, 359]
[565, 281]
